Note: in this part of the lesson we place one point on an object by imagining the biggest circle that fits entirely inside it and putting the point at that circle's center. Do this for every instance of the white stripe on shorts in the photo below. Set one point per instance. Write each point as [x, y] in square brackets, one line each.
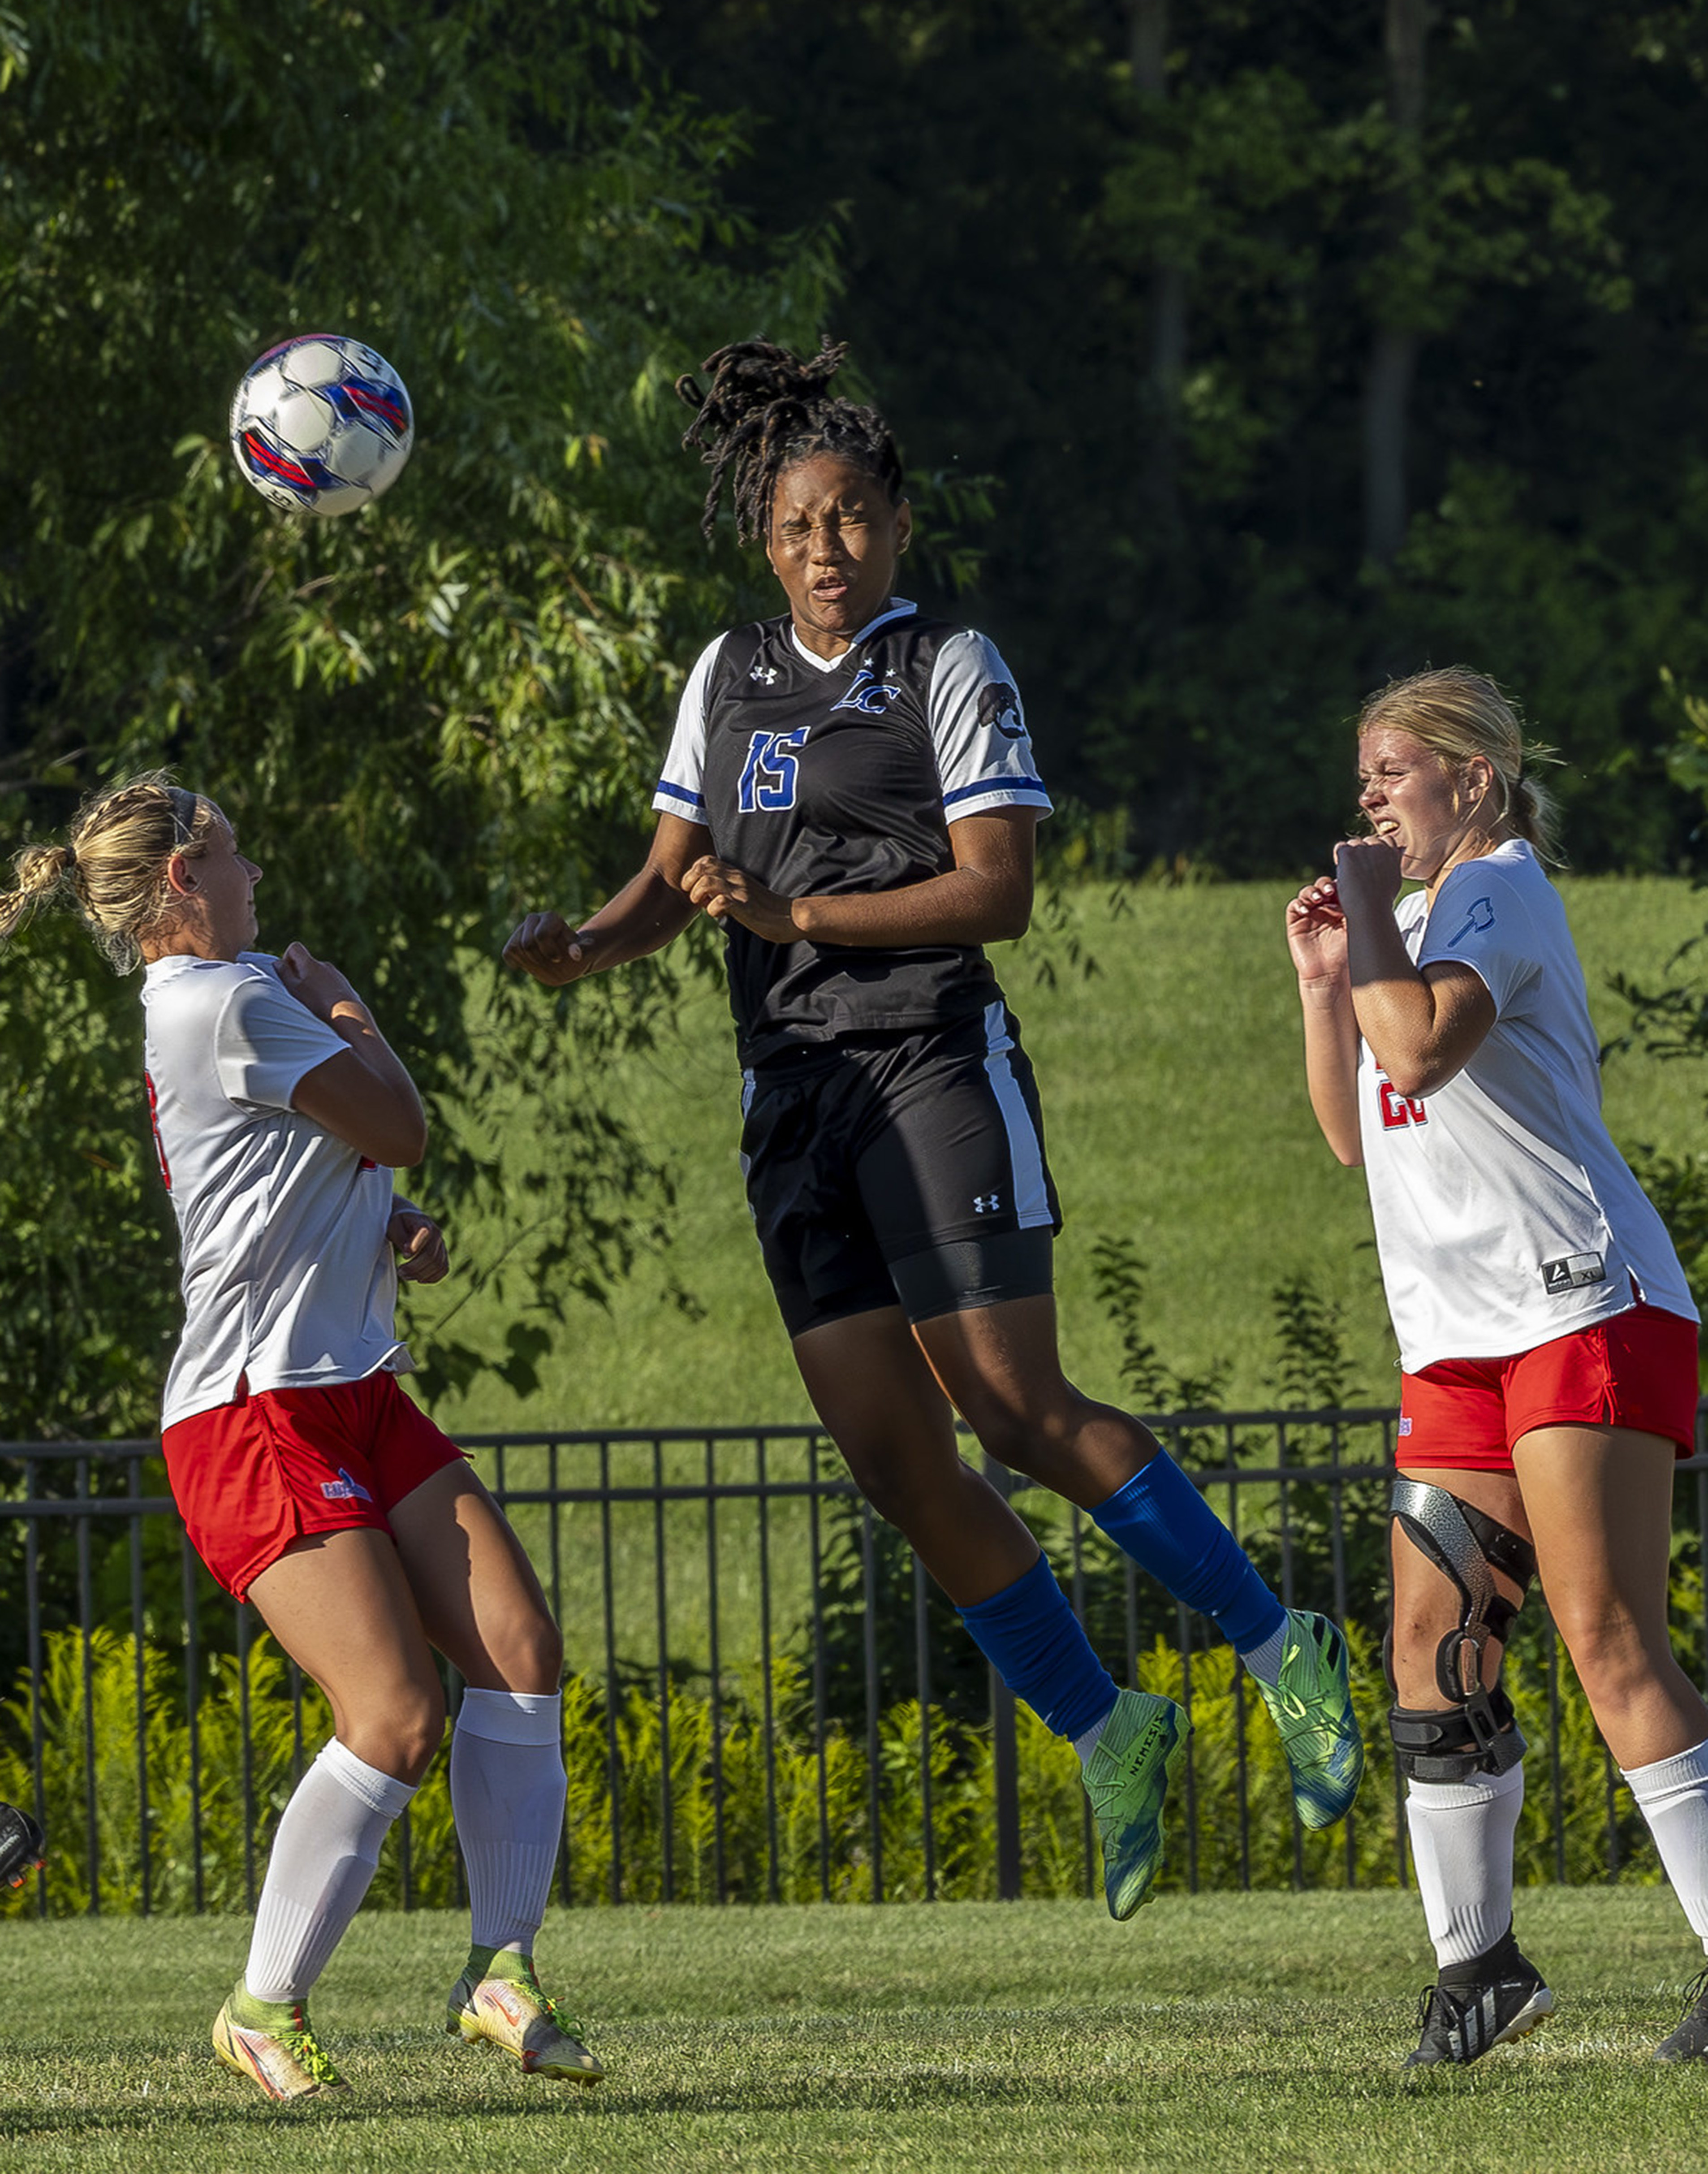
[1025, 1151]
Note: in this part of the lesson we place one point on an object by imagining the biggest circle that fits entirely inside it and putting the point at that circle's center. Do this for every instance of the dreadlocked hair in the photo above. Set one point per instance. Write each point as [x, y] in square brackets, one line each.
[765, 409]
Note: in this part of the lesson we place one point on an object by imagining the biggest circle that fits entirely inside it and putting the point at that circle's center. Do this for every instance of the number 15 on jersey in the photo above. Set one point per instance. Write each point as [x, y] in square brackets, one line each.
[770, 774]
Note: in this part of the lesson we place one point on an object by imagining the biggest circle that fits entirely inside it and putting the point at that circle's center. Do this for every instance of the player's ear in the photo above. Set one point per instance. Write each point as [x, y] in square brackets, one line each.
[181, 876]
[904, 527]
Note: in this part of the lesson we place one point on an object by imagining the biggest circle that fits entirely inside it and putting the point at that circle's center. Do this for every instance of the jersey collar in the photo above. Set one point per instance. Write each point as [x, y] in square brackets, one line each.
[897, 608]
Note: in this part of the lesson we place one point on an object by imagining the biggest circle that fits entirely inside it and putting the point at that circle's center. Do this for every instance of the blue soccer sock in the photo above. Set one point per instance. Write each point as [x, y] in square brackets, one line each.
[1034, 1641]
[1160, 1519]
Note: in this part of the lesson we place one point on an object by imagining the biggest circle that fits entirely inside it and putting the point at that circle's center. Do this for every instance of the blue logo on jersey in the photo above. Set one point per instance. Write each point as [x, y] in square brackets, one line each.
[869, 695]
[1478, 923]
[770, 774]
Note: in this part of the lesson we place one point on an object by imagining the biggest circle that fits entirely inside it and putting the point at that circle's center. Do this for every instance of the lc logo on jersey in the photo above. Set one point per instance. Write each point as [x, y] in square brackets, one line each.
[869, 695]
[770, 773]
[1398, 1110]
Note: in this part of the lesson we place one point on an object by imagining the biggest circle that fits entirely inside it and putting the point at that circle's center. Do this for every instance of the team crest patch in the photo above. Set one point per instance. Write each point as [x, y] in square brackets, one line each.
[1405, 1426]
[343, 1489]
[999, 704]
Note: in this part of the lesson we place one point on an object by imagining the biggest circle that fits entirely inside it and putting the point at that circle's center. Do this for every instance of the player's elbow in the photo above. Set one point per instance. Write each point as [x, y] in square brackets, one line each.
[410, 1141]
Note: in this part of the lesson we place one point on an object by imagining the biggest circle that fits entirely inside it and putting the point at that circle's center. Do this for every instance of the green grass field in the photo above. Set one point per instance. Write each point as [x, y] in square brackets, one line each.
[1261, 2031]
[1175, 1102]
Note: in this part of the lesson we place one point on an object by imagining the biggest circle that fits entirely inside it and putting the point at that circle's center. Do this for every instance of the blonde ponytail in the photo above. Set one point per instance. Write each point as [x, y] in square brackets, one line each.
[112, 869]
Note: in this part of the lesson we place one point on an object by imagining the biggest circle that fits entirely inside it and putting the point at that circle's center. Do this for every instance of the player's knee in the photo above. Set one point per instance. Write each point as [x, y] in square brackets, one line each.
[406, 1736]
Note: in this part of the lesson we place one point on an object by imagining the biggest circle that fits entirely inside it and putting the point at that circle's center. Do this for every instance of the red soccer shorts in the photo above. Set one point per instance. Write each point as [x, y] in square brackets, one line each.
[1636, 1369]
[274, 1465]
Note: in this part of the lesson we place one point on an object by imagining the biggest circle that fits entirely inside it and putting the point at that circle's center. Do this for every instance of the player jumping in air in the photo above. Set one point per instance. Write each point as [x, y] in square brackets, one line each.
[1547, 1333]
[309, 1482]
[851, 792]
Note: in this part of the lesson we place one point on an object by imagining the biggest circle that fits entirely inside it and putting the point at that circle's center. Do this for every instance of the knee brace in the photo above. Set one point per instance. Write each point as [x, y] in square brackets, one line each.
[1477, 1732]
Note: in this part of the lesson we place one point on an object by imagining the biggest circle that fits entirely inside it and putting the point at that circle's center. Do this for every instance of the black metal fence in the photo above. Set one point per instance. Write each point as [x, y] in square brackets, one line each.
[770, 1699]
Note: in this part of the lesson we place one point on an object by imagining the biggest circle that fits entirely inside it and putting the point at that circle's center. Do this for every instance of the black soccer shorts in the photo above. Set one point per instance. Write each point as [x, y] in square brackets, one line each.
[909, 1169]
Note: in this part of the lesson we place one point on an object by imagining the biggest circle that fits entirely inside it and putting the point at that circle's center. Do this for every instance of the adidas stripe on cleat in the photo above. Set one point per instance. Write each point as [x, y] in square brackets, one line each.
[1311, 1704]
[498, 1999]
[274, 2045]
[1460, 2024]
[1126, 1778]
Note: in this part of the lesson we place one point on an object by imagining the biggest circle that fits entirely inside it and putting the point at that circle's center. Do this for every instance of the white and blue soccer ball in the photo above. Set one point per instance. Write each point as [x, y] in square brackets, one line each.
[321, 425]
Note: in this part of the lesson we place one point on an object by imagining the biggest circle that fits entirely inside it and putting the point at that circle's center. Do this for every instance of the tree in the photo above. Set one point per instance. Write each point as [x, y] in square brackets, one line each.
[422, 718]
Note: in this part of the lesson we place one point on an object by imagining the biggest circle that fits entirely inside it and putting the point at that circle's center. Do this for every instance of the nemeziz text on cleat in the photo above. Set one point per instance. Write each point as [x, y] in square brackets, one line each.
[506, 2008]
[1460, 2023]
[1311, 1704]
[1126, 1778]
[274, 2045]
[1689, 2042]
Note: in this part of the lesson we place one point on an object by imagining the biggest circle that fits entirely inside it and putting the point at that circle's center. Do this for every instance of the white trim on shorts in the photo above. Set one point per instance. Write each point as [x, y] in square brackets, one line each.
[1025, 1149]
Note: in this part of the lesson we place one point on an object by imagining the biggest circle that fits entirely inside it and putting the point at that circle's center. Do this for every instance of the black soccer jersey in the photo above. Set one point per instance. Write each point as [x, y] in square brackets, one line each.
[823, 775]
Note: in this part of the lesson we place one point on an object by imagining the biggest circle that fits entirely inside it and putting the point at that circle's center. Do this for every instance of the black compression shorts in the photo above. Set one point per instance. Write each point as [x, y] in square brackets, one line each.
[900, 1169]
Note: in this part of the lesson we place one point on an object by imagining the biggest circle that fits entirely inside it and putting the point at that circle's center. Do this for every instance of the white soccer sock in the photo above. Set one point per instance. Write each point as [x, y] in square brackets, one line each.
[1462, 1851]
[323, 1857]
[1673, 1796]
[507, 1790]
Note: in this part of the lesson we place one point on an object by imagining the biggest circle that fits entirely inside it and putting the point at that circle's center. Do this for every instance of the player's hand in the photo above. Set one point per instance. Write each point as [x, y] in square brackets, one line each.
[1316, 932]
[1367, 874]
[545, 946]
[721, 889]
[314, 982]
[426, 1258]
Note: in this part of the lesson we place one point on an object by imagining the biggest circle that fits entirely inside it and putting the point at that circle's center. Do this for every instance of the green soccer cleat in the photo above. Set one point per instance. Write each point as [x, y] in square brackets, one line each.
[272, 2043]
[1311, 1706]
[498, 1998]
[1126, 1778]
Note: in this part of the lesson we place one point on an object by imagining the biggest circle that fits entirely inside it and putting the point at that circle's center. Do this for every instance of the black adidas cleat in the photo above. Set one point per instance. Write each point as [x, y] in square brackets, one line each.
[1689, 2042]
[21, 1845]
[1501, 1997]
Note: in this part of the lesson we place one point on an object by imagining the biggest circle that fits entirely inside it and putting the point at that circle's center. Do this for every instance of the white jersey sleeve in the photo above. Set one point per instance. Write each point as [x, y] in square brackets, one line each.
[266, 1042]
[681, 789]
[1482, 919]
[978, 726]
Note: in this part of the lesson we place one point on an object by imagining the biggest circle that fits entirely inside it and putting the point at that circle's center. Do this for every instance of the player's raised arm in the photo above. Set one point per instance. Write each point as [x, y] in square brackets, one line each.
[365, 1096]
[650, 912]
[1316, 938]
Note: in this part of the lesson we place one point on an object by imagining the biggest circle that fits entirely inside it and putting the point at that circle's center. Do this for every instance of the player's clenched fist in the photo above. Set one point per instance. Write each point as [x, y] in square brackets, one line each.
[314, 982]
[548, 948]
[425, 1258]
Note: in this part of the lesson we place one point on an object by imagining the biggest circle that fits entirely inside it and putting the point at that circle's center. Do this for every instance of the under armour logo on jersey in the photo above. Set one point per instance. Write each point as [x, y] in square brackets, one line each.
[988, 1203]
[999, 704]
[869, 695]
[1478, 921]
[767, 675]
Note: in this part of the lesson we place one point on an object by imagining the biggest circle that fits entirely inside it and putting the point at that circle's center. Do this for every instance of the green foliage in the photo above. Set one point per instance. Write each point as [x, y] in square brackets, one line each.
[424, 718]
[1211, 1844]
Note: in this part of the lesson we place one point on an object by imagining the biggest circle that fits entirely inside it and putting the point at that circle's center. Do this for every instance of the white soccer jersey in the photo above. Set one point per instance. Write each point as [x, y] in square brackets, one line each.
[288, 1278]
[1504, 1216]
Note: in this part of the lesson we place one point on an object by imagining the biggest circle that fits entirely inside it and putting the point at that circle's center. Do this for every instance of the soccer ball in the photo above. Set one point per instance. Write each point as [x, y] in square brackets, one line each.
[321, 425]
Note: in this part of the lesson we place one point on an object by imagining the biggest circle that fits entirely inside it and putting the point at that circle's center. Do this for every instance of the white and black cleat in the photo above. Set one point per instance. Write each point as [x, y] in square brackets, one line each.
[1689, 2042]
[1492, 2002]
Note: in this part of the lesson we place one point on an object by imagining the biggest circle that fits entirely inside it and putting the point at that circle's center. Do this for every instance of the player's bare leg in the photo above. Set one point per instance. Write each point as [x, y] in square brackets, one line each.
[339, 1605]
[1001, 1366]
[1600, 1504]
[483, 1607]
[883, 1408]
